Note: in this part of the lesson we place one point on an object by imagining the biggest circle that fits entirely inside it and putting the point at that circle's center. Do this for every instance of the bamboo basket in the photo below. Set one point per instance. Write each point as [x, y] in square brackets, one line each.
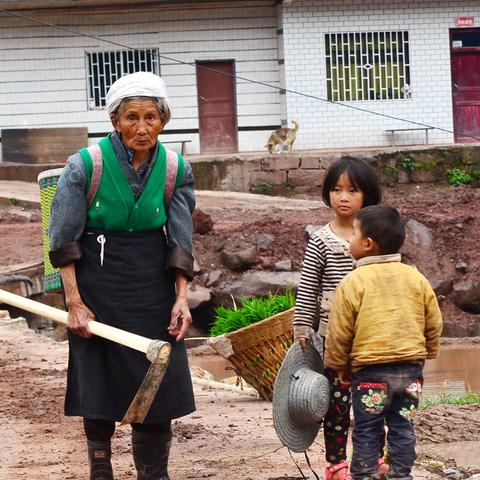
[257, 351]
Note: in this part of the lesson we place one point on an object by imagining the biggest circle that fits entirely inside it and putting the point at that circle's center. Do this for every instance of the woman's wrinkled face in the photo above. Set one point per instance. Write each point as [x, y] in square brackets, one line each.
[139, 123]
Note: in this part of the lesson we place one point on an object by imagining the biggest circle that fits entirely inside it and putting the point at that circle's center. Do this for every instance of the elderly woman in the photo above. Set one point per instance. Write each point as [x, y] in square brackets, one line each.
[120, 268]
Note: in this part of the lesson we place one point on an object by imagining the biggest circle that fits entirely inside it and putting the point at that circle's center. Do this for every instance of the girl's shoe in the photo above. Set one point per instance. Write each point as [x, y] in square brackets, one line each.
[337, 471]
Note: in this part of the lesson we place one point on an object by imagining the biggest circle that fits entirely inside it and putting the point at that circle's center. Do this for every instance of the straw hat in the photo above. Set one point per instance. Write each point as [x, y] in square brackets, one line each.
[301, 397]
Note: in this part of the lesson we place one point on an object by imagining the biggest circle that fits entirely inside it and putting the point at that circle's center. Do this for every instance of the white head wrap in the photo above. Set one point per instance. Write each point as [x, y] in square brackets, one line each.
[140, 84]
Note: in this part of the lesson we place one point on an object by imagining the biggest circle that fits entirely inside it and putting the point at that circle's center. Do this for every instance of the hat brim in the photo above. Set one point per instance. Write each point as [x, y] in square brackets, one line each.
[296, 437]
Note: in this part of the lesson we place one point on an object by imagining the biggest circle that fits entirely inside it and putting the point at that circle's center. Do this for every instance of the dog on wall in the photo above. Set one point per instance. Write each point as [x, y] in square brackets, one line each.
[283, 136]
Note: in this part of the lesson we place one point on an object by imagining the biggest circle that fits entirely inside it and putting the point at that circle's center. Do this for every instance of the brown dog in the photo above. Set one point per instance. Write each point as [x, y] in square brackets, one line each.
[283, 136]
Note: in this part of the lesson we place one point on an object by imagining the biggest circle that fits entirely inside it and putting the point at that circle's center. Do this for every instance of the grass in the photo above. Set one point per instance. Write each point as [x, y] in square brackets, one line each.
[457, 177]
[252, 310]
[450, 399]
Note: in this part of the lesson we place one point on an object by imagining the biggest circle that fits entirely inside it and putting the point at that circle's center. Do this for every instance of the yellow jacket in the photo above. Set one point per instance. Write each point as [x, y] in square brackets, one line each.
[382, 312]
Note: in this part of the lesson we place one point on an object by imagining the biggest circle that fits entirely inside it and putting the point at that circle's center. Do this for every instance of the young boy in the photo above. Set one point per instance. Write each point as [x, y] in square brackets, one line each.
[384, 322]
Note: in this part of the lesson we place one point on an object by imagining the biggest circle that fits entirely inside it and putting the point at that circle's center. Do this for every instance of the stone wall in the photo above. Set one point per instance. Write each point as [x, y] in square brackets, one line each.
[304, 172]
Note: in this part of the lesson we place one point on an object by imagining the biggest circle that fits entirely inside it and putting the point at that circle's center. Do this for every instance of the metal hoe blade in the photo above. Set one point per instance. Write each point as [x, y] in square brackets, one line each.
[159, 354]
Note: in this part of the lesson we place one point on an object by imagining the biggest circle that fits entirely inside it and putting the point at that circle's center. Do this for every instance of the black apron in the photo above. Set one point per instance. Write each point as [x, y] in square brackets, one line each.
[132, 291]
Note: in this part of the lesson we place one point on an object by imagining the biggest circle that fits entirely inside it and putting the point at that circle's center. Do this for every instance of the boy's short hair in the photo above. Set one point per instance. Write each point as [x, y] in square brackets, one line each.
[360, 173]
[384, 225]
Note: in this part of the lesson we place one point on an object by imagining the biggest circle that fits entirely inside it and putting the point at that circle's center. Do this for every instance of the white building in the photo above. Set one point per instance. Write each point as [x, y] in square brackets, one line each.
[278, 62]
[417, 60]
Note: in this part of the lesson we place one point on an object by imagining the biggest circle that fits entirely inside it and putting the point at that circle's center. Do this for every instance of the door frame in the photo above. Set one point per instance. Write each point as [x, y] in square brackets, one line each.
[453, 51]
[234, 89]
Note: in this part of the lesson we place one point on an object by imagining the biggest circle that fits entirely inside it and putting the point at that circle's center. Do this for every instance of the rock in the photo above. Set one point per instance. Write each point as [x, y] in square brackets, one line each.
[259, 284]
[442, 287]
[264, 240]
[198, 296]
[266, 262]
[213, 278]
[421, 234]
[196, 267]
[195, 337]
[239, 260]
[198, 372]
[284, 265]
[466, 296]
[460, 330]
[202, 222]
[19, 321]
[419, 250]
[461, 267]
[452, 473]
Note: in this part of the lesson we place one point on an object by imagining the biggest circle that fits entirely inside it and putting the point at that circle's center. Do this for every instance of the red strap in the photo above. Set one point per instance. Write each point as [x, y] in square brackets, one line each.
[171, 176]
[170, 181]
[96, 154]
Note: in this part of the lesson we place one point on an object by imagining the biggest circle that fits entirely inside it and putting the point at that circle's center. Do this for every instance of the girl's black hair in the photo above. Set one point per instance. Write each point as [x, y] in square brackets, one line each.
[360, 173]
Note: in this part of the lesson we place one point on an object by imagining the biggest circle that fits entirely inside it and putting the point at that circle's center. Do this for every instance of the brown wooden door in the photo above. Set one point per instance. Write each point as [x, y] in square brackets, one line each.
[466, 84]
[217, 112]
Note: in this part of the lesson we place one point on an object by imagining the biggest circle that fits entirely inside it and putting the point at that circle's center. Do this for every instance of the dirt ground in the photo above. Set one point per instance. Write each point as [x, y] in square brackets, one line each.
[451, 214]
[230, 435]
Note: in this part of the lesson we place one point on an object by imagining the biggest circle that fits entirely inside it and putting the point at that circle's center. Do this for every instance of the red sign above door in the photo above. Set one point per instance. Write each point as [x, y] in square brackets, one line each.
[465, 22]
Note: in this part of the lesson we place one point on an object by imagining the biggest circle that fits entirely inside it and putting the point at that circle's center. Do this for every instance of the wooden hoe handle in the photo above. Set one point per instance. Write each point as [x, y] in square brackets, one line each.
[132, 340]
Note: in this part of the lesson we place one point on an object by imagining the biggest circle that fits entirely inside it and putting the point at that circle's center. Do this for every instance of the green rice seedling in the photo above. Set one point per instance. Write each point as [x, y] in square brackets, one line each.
[252, 310]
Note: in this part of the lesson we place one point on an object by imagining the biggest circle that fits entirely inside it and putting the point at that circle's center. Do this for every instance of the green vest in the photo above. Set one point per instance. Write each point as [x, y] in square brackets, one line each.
[114, 207]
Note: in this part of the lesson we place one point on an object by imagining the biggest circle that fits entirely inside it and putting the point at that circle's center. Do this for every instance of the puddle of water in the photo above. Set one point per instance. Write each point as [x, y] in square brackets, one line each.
[456, 370]
[216, 365]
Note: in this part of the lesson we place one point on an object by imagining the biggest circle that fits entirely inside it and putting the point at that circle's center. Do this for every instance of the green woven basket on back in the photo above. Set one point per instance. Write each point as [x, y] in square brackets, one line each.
[48, 181]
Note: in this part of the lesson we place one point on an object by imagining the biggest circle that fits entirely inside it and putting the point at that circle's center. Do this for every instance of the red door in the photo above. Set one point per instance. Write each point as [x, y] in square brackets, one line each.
[466, 84]
[217, 112]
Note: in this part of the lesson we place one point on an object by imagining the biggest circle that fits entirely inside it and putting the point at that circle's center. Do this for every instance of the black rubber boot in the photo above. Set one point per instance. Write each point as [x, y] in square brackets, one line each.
[99, 455]
[150, 454]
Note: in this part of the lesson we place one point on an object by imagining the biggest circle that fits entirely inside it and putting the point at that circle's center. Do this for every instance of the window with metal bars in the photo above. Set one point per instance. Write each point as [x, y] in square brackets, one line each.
[103, 68]
[368, 66]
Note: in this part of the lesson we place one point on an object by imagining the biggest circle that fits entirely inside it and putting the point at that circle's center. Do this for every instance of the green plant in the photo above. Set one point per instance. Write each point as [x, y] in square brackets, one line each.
[264, 188]
[13, 201]
[450, 399]
[407, 164]
[252, 310]
[456, 177]
[389, 170]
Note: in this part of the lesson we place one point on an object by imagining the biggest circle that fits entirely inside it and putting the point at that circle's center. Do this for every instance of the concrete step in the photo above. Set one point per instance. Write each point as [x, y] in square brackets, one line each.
[23, 194]
[25, 172]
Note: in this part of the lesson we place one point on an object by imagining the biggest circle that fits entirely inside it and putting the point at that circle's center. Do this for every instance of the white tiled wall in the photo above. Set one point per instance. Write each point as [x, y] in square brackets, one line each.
[327, 125]
[43, 78]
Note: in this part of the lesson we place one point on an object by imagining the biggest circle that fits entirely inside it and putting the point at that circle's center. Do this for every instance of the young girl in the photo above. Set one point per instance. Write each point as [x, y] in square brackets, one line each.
[349, 185]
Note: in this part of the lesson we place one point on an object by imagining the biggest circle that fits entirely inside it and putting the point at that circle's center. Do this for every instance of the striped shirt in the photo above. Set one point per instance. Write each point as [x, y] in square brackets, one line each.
[327, 260]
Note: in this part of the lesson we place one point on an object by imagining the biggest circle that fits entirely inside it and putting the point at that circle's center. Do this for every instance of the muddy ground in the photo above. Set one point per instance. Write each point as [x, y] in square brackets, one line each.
[230, 435]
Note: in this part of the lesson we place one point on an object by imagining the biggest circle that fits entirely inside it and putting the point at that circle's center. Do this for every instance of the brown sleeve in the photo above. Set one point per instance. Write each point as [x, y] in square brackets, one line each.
[65, 255]
[180, 259]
